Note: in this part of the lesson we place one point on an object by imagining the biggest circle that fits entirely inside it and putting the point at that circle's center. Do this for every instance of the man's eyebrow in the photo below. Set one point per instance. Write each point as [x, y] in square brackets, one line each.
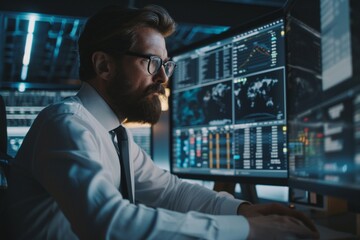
[164, 60]
[151, 54]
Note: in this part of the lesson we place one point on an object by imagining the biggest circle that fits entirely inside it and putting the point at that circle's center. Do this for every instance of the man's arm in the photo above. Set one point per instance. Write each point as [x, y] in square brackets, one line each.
[158, 188]
[166, 190]
[68, 166]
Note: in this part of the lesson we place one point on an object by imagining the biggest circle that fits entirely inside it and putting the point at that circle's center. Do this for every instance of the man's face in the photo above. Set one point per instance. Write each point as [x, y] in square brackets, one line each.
[134, 92]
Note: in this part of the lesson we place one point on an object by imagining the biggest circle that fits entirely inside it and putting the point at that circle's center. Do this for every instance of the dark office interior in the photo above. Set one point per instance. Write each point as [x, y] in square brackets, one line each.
[264, 102]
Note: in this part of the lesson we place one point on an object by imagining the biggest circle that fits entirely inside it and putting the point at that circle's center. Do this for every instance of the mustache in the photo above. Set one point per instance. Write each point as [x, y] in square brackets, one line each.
[155, 88]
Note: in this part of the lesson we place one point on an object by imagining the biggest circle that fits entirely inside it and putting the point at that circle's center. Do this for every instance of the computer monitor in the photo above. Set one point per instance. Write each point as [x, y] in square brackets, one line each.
[228, 106]
[23, 107]
[142, 134]
[324, 97]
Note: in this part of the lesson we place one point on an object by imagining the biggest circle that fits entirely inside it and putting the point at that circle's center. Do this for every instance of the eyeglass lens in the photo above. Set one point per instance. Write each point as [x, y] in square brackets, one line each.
[155, 64]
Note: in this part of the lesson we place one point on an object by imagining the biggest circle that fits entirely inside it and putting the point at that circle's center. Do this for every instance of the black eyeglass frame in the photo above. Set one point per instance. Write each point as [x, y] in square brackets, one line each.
[152, 57]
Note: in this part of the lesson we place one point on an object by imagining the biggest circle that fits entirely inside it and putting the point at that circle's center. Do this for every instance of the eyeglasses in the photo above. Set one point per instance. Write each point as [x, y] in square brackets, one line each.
[155, 63]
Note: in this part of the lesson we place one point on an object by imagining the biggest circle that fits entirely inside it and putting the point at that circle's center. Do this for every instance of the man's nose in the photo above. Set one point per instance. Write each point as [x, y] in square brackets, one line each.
[160, 76]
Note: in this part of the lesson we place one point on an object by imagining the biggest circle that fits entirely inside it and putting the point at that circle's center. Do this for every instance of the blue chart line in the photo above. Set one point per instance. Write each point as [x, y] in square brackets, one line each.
[259, 65]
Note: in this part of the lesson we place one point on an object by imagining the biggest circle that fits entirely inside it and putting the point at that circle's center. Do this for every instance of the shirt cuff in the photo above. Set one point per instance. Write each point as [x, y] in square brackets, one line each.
[227, 229]
[230, 206]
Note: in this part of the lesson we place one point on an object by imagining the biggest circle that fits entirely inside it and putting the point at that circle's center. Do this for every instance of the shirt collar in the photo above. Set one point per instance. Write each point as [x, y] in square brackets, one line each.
[97, 106]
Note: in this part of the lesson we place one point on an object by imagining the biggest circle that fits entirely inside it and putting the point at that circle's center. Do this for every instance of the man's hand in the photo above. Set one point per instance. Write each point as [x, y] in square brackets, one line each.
[275, 221]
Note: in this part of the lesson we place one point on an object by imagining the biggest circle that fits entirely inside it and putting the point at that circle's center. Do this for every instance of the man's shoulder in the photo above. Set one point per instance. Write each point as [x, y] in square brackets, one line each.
[68, 114]
[68, 106]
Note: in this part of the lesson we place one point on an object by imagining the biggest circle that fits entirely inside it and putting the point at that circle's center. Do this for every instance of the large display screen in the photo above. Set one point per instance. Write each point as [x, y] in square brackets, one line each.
[324, 97]
[228, 106]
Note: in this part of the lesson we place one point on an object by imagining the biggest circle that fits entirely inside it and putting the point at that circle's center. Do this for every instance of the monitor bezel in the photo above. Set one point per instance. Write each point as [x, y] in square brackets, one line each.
[328, 189]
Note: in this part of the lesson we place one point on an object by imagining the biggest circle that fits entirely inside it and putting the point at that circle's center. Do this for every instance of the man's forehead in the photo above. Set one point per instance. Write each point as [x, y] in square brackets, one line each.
[150, 41]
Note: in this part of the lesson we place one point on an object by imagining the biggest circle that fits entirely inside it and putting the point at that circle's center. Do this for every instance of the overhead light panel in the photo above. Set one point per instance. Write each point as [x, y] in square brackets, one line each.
[28, 46]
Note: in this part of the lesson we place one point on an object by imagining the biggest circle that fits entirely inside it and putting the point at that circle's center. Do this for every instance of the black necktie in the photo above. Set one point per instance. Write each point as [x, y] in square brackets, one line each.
[125, 184]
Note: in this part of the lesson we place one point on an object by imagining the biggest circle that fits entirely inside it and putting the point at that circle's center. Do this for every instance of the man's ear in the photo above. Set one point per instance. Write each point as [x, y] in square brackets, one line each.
[103, 65]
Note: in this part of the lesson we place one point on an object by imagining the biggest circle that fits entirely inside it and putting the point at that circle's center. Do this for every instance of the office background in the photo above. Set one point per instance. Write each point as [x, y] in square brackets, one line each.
[38, 65]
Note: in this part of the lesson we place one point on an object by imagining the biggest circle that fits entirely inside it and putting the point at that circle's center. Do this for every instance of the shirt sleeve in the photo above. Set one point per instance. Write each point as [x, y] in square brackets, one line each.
[67, 165]
[159, 188]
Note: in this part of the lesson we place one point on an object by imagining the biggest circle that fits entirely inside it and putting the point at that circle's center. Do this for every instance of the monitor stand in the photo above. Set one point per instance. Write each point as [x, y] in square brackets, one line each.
[358, 225]
[248, 191]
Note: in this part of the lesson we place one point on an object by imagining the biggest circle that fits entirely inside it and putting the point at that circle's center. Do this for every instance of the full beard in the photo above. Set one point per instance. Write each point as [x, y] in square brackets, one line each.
[145, 108]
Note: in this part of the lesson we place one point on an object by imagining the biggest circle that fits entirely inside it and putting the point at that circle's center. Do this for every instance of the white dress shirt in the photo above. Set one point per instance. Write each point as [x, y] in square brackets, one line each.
[65, 179]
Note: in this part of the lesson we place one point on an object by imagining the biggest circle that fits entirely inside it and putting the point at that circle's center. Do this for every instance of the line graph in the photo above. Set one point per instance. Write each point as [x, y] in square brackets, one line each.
[262, 50]
[256, 53]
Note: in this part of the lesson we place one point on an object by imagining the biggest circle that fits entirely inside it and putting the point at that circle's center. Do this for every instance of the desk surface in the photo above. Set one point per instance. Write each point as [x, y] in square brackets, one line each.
[329, 234]
[337, 226]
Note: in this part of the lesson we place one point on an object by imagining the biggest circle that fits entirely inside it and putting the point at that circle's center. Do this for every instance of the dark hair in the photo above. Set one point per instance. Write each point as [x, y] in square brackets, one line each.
[113, 29]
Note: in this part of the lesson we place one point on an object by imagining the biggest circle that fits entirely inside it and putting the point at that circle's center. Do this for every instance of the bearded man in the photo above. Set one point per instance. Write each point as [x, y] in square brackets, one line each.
[80, 175]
